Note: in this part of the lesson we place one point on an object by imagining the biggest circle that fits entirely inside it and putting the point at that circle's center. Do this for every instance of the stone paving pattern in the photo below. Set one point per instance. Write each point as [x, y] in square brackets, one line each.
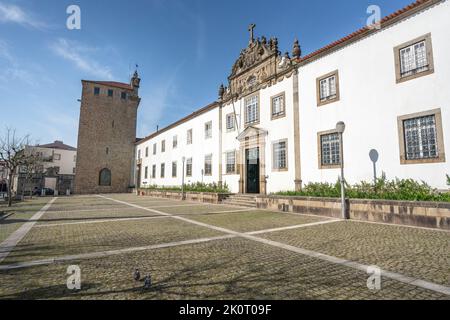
[226, 269]
[255, 220]
[420, 253]
[21, 213]
[221, 269]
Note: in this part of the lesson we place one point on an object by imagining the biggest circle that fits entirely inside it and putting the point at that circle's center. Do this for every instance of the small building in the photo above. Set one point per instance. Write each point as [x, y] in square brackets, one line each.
[55, 171]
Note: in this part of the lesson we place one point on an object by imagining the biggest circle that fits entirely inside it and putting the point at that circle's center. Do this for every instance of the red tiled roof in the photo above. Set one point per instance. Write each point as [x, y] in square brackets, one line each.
[398, 15]
[114, 84]
[392, 18]
[57, 145]
[170, 126]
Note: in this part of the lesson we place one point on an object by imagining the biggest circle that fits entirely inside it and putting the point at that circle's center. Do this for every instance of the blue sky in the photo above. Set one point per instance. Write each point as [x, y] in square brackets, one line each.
[184, 48]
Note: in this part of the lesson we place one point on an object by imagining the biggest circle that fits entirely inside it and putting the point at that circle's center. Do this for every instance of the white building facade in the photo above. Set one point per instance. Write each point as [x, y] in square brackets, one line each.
[56, 169]
[273, 127]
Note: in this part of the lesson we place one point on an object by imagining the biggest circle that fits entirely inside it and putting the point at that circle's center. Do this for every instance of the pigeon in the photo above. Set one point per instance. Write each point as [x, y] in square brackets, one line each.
[147, 282]
[137, 275]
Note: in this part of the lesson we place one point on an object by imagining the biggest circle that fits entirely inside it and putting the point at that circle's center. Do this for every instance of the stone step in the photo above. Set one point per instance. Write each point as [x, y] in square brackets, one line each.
[241, 200]
[239, 204]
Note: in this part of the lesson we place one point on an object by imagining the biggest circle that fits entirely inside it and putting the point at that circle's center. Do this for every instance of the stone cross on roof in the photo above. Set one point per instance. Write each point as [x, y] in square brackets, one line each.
[251, 30]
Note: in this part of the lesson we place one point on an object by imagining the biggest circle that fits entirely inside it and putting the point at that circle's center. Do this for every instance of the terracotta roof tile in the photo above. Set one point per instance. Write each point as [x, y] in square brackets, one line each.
[114, 84]
[366, 30]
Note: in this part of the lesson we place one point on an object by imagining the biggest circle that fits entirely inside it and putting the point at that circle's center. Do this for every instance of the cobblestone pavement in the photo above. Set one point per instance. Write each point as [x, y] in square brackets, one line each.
[254, 220]
[18, 215]
[67, 239]
[420, 253]
[226, 269]
[234, 268]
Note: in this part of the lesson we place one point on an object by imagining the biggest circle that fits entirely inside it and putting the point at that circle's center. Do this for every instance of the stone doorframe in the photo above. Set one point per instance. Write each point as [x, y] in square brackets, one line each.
[251, 138]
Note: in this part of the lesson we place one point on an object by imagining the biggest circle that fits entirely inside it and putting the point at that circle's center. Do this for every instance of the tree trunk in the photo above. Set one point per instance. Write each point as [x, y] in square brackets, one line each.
[9, 190]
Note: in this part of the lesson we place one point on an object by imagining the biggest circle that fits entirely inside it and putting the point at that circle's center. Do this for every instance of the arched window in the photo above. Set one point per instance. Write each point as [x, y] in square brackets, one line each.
[105, 177]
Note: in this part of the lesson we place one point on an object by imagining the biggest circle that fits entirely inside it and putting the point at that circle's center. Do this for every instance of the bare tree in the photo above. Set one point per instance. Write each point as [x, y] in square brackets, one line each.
[31, 166]
[12, 154]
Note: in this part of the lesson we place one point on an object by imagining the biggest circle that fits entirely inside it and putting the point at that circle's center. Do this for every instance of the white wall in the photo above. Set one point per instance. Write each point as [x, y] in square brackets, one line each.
[197, 151]
[278, 129]
[371, 101]
[67, 162]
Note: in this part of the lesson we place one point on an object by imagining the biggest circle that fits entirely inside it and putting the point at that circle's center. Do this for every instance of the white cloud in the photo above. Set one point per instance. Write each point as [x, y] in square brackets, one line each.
[10, 13]
[78, 54]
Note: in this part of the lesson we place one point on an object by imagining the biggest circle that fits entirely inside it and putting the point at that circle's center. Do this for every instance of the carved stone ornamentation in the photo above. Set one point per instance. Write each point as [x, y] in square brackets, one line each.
[296, 50]
[221, 91]
[258, 66]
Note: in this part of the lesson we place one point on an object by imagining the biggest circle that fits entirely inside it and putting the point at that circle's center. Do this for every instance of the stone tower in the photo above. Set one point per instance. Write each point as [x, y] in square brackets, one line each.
[106, 136]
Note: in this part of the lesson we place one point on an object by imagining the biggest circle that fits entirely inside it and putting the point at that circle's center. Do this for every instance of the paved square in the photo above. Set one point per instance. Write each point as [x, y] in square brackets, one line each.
[203, 251]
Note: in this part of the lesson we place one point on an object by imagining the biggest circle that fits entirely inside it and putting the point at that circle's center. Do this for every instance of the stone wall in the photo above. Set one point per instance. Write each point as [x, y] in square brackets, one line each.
[206, 197]
[106, 137]
[414, 213]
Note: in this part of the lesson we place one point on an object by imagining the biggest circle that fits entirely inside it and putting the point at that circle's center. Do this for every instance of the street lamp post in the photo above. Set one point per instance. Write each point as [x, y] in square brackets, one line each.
[182, 180]
[340, 128]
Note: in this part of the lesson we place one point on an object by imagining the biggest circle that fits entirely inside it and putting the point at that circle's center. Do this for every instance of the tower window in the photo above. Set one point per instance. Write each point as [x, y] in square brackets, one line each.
[105, 177]
[110, 93]
[96, 91]
[123, 95]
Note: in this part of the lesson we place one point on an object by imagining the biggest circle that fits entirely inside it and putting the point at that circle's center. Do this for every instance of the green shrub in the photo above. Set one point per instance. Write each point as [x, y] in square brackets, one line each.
[405, 189]
[193, 187]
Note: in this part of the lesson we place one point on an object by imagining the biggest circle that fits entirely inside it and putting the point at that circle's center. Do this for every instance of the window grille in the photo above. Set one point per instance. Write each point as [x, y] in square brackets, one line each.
[330, 148]
[413, 59]
[251, 110]
[420, 138]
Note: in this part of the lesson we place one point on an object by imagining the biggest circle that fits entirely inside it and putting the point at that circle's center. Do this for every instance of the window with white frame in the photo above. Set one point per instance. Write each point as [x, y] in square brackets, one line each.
[420, 138]
[146, 173]
[189, 136]
[230, 121]
[330, 149]
[139, 154]
[208, 165]
[251, 110]
[328, 88]
[413, 59]
[146, 152]
[174, 169]
[189, 167]
[163, 170]
[175, 142]
[278, 106]
[163, 146]
[154, 171]
[57, 156]
[280, 155]
[231, 162]
[154, 148]
[208, 130]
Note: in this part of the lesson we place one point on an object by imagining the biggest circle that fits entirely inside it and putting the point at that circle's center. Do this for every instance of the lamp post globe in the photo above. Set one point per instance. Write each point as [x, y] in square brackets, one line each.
[340, 127]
